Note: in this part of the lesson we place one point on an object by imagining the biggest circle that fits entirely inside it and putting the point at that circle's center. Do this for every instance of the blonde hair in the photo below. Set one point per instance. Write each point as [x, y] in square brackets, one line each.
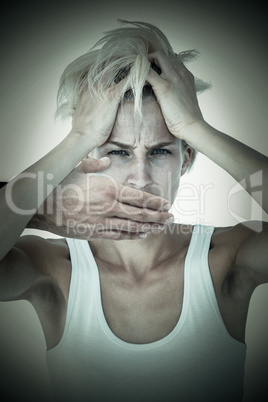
[122, 52]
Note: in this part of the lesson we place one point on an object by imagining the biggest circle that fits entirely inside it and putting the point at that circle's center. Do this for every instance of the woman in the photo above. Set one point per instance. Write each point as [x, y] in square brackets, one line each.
[162, 314]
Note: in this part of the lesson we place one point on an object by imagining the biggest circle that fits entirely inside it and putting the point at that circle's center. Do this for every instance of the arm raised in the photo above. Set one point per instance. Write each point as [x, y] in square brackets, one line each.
[24, 194]
[176, 94]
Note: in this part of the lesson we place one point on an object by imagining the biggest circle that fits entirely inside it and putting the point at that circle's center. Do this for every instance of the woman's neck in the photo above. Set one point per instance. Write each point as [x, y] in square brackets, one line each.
[140, 256]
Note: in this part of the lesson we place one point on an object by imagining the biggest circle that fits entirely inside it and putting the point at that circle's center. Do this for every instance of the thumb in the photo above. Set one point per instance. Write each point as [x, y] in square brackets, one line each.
[91, 165]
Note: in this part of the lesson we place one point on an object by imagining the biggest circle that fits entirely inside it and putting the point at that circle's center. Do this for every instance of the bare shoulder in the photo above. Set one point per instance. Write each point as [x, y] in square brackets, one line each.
[51, 259]
[233, 237]
[48, 293]
[238, 254]
[33, 262]
[44, 253]
[236, 237]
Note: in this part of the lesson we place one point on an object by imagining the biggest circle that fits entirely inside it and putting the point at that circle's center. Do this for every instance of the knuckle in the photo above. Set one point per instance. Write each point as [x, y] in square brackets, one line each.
[135, 196]
[105, 194]
[115, 210]
[107, 208]
[142, 214]
[158, 217]
[167, 85]
[141, 198]
[109, 190]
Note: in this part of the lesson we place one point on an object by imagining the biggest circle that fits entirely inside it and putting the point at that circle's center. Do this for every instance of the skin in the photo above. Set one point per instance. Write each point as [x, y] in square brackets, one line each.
[146, 272]
[138, 158]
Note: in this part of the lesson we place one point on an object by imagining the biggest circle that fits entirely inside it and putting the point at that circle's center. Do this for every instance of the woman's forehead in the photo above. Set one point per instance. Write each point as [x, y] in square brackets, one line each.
[151, 128]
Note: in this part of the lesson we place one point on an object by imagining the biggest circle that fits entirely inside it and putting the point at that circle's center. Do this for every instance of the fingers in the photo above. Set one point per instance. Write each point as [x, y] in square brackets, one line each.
[161, 60]
[129, 226]
[106, 234]
[143, 215]
[170, 69]
[138, 198]
[119, 235]
[140, 206]
[113, 233]
[160, 82]
[118, 90]
[166, 63]
[113, 228]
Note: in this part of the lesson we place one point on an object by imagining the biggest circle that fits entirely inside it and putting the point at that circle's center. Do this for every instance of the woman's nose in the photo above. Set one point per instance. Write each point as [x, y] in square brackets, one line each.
[139, 176]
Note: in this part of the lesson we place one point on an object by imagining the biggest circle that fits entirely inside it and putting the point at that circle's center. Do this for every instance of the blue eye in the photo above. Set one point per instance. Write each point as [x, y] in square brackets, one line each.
[119, 152]
[160, 151]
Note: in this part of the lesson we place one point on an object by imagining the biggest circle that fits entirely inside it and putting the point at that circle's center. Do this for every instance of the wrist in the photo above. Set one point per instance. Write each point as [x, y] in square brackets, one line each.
[195, 133]
[90, 141]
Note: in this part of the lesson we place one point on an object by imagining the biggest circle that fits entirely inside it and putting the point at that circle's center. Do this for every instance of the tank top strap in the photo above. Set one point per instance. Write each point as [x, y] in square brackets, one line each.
[197, 255]
[82, 285]
[198, 281]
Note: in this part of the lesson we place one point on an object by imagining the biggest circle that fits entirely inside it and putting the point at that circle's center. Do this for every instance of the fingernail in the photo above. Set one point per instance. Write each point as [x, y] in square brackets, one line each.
[167, 207]
[170, 220]
[142, 235]
[104, 159]
[160, 227]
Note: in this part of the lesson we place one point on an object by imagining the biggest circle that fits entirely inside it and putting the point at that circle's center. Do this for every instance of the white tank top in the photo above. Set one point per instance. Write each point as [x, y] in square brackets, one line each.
[197, 361]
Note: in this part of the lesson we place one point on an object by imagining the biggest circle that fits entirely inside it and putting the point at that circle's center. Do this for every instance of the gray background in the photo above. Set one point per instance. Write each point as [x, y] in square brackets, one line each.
[38, 41]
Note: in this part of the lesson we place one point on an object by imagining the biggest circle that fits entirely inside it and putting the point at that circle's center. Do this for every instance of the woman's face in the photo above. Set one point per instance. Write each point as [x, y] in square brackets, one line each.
[144, 155]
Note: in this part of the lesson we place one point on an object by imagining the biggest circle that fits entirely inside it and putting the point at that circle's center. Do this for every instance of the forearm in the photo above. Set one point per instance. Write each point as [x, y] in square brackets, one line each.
[23, 195]
[244, 164]
[38, 220]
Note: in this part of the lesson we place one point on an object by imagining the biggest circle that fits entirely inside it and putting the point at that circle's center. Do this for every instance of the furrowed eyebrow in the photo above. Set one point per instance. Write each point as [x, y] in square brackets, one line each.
[127, 146]
[160, 145]
[118, 144]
